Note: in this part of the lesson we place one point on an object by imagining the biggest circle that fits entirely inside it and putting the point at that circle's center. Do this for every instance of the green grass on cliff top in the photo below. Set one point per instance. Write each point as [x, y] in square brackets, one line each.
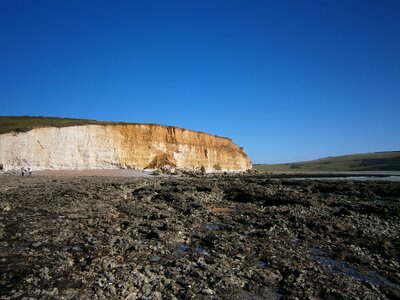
[25, 123]
[379, 161]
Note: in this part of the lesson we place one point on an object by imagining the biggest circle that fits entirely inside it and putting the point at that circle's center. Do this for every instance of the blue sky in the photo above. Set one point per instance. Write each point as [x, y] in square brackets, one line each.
[287, 80]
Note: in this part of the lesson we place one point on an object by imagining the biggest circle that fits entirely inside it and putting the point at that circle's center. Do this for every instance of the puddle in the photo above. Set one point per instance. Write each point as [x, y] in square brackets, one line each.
[212, 227]
[262, 263]
[379, 202]
[341, 267]
[181, 249]
[77, 248]
[156, 258]
[200, 250]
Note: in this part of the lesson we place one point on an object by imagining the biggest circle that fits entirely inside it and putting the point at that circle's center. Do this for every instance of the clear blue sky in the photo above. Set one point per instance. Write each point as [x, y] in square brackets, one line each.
[287, 80]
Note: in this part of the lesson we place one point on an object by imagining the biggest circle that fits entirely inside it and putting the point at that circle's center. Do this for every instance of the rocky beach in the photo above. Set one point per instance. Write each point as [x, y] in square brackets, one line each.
[198, 237]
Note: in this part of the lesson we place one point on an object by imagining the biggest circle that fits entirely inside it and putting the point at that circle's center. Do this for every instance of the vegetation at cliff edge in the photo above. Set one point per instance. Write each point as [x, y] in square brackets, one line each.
[26, 123]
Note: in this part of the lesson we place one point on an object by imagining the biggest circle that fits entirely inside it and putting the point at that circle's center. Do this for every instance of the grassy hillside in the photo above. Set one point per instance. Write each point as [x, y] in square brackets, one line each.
[25, 123]
[379, 161]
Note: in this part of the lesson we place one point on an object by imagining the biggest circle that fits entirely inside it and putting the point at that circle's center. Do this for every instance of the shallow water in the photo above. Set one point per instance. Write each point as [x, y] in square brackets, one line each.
[341, 267]
[262, 263]
[200, 250]
[212, 227]
[156, 258]
[181, 249]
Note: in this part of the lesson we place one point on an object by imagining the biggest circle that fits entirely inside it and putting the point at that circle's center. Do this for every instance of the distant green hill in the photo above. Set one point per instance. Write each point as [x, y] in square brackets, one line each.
[379, 161]
[25, 123]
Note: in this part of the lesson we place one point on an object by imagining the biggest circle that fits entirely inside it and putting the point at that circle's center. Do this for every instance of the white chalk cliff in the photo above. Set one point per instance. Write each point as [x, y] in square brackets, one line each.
[114, 146]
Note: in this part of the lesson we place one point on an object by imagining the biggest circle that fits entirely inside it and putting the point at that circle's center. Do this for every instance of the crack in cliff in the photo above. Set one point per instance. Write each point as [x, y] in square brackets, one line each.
[40, 145]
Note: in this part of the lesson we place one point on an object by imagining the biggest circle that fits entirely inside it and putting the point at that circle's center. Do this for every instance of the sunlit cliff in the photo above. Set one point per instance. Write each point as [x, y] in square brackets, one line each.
[111, 146]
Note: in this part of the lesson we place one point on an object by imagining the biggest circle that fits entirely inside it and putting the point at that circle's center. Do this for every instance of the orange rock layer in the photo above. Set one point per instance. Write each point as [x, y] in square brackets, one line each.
[151, 146]
[109, 146]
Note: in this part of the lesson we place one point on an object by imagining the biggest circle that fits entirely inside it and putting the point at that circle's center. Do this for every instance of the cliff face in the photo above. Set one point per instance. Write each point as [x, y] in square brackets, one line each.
[119, 146]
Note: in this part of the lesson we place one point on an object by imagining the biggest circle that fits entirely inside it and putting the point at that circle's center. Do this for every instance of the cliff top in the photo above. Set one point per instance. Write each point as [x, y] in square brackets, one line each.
[25, 123]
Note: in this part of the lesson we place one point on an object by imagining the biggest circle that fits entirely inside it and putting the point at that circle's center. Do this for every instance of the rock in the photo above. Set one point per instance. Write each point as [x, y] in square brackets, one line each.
[44, 273]
[156, 296]
[131, 296]
[208, 291]
[157, 172]
[113, 290]
[51, 293]
[165, 242]
[5, 206]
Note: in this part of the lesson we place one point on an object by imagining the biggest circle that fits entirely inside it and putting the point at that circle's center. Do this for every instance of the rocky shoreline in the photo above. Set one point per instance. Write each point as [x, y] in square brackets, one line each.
[199, 237]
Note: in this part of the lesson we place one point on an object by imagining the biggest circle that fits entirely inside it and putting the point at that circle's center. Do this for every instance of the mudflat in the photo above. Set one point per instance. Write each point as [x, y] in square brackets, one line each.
[204, 237]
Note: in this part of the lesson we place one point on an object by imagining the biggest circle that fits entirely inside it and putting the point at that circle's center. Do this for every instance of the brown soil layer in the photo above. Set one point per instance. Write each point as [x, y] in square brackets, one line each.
[214, 237]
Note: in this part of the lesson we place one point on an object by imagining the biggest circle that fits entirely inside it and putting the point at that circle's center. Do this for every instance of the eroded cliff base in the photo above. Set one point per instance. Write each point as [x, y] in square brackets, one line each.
[215, 237]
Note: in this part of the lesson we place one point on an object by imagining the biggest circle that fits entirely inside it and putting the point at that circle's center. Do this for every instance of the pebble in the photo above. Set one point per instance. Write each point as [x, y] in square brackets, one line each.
[208, 292]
